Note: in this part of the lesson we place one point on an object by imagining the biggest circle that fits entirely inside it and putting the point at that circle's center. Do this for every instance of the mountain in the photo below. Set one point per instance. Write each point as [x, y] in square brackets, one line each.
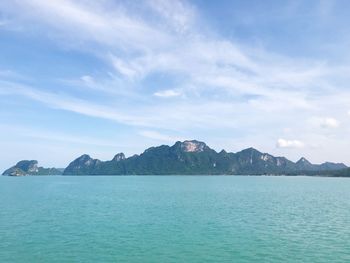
[305, 165]
[327, 166]
[195, 158]
[27, 167]
[82, 165]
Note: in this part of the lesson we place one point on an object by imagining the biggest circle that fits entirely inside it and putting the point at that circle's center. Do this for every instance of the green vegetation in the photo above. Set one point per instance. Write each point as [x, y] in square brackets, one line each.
[341, 173]
[195, 158]
[27, 167]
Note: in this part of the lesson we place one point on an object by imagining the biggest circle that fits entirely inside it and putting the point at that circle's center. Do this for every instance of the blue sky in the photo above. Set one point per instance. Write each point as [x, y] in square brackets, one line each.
[102, 77]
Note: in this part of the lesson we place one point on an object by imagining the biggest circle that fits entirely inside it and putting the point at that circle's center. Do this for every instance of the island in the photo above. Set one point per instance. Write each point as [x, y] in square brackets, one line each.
[190, 157]
[30, 167]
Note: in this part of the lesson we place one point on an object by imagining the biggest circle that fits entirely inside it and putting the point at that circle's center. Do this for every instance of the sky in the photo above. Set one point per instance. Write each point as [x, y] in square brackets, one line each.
[108, 76]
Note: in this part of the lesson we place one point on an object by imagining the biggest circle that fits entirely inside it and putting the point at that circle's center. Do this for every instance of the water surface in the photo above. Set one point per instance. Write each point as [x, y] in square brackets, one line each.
[174, 219]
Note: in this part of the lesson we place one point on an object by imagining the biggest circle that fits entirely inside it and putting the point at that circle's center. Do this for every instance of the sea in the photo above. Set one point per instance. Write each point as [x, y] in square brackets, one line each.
[174, 219]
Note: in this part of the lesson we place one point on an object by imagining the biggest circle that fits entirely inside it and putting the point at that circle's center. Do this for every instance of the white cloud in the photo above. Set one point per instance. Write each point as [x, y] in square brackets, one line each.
[123, 67]
[159, 136]
[173, 116]
[283, 143]
[329, 123]
[103, 23]
[178, 14]
[206, 63]
[167, 93]
[131, 48]
[68, 103]
[88, 80]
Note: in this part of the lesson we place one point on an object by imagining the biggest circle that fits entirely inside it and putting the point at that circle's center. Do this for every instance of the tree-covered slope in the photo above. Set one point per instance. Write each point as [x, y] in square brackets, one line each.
[191, 158]
[30, 167]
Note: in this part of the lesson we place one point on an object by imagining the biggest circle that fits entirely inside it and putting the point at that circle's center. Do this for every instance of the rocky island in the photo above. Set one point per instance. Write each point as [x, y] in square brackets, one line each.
[190, 157]
[31, 167]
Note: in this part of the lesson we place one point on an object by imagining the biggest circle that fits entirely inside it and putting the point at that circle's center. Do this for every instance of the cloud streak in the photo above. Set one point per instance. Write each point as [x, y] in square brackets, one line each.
[159, 136]
[167, 93]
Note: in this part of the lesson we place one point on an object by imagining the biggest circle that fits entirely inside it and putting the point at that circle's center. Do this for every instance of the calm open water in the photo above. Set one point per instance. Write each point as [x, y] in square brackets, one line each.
[174, 219]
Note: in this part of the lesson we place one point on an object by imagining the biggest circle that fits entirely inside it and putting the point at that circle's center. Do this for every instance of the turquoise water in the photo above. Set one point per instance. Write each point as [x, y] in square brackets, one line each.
[174, 219]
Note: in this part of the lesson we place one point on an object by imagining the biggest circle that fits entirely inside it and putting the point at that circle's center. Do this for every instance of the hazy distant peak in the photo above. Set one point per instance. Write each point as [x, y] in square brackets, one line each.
[303, 161]
[250, 150]
[84, 157]
[119, 157]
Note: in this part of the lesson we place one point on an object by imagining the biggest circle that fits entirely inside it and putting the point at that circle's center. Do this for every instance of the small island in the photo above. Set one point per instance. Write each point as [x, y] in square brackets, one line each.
[30, 167]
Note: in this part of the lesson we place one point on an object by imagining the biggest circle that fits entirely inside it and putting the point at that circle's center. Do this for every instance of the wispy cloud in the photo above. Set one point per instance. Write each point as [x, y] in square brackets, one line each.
[68, 103]
[88, 20]
[167, 93]
[204, 62]
[283, 143]
[49, 135]
[174, 117]
[179, 15]
[159, 136]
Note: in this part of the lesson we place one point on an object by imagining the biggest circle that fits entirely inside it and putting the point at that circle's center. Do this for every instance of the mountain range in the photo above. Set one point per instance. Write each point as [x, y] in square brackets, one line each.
[185, 158]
